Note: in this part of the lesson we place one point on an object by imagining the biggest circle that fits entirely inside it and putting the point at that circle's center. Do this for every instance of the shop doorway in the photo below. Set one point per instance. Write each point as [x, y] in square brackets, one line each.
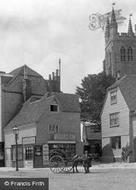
[38, 155]
[28, 156]
[2, 163]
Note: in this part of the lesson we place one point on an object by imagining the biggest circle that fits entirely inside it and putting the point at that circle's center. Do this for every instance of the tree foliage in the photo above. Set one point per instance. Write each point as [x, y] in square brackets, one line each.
[92, 93]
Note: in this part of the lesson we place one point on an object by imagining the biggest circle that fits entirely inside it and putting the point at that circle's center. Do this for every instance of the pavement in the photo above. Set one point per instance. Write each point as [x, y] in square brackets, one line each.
[96, 165]
[115, 165]
[111, 176]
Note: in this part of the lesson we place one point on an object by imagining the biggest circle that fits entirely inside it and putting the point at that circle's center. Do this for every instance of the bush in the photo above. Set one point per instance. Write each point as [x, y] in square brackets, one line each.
[126, 151]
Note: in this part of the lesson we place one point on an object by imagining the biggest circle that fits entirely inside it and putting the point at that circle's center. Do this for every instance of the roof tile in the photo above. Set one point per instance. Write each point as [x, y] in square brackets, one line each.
[32, 110]
[127, 85]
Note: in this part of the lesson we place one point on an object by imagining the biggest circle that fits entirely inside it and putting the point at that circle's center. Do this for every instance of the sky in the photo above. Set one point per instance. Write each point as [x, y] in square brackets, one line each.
[39, 32]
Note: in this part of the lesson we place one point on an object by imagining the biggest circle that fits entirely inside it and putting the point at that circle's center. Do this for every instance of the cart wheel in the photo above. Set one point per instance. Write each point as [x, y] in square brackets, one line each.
[67, 166]
[56, 164]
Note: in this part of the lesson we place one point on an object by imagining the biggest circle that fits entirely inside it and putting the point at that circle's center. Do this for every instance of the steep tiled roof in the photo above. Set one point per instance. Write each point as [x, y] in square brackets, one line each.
[28, 71]
[127, 85]
[20, 72]
[68, 102]
[32, 110]
[29, 113]
[38, 84]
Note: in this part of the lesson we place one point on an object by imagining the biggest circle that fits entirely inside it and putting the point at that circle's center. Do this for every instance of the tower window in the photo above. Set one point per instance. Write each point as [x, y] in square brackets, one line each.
[130, 54]
[123, 54]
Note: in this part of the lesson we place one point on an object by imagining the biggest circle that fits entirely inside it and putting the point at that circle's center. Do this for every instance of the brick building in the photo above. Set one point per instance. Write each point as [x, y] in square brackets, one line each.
[18, 87]
[44, 124]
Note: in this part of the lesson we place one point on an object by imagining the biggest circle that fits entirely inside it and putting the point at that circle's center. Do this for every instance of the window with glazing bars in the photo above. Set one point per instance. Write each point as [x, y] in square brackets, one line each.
[113, 97]
[114, 120]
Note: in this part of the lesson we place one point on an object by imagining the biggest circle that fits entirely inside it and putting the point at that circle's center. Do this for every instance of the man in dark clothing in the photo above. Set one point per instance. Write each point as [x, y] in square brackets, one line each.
[87, 161]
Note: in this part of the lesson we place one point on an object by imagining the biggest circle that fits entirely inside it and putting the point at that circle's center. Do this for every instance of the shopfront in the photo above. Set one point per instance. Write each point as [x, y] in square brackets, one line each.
[37, 156]
[25, 152]
[29, 156]
[2, 163]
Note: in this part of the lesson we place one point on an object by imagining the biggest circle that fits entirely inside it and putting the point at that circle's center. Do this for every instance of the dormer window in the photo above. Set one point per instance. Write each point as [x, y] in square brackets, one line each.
[113, 97]
[54, 108]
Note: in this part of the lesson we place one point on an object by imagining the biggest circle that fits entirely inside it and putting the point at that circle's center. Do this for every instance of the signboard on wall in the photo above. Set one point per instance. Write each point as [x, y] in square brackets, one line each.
[28, 140]
[64, 136]
[45, 154]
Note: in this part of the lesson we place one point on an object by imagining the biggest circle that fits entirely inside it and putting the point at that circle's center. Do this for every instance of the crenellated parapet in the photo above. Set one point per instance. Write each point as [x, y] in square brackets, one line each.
[112, 33]
[120, 49]
[123, 36]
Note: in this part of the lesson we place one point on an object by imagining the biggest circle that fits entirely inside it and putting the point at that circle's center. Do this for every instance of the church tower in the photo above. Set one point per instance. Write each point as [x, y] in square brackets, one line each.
[120, 49]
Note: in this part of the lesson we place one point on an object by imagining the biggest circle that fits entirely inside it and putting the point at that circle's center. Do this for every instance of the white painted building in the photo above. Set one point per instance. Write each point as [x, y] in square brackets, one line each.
[118, 119]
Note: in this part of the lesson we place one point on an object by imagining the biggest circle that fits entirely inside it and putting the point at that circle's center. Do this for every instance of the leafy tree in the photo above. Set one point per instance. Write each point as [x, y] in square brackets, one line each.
[92, 93]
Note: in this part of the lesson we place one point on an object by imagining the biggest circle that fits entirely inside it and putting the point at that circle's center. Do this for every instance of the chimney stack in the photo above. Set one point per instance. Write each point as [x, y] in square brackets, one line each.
[57, 72]
[53, 76]
[49, 76]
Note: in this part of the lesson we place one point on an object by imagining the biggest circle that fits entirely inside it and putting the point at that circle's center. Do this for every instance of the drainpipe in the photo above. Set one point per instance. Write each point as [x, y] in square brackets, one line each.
[131, 139]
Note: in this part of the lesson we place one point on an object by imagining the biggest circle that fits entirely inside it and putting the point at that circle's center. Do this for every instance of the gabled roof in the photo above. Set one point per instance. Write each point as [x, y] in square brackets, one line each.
[38, 83]
[33, 110]
[127, 86]
[22, 69]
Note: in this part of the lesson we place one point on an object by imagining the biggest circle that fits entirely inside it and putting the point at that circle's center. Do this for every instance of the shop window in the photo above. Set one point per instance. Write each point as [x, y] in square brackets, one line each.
[54, 108]
[29, 153]
[20, 153]
[113, 97]
[116, 142]
[114, 120]
[53, 129]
